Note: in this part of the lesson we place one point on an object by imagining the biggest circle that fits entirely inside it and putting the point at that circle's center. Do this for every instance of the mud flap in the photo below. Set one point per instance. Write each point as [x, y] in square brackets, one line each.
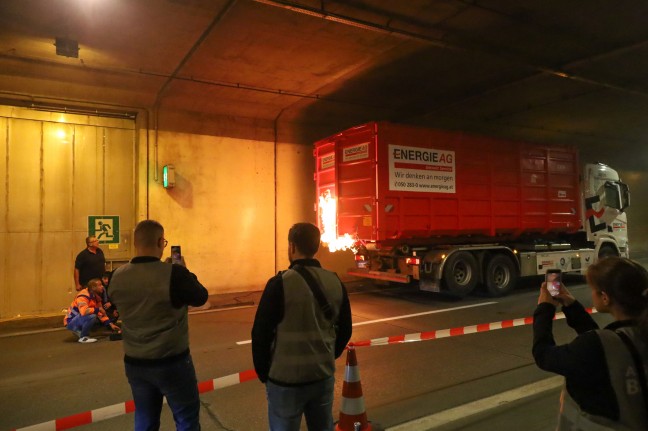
[429, 285]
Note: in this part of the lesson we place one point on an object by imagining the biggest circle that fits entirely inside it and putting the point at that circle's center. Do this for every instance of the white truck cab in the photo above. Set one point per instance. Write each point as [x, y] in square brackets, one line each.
[605, 199]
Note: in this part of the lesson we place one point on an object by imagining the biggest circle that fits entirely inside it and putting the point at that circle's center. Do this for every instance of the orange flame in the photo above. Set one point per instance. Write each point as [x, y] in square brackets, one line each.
[328, 213]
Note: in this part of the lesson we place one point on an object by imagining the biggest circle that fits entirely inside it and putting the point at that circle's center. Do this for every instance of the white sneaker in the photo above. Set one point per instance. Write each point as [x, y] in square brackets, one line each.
[87, 340]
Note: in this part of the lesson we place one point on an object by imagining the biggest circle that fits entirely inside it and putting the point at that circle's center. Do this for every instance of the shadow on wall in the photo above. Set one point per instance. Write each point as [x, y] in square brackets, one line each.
[182, 193]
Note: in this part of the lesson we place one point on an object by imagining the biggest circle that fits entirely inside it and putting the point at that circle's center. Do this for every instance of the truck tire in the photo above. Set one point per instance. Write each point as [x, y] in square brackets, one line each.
[461, 273]
[501, 275]
[607, 250]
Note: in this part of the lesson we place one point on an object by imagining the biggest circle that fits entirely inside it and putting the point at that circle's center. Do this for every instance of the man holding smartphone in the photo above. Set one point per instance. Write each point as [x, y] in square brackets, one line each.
[152, 299]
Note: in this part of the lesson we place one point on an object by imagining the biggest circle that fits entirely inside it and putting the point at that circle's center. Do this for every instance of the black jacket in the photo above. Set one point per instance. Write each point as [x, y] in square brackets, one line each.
[582, 361]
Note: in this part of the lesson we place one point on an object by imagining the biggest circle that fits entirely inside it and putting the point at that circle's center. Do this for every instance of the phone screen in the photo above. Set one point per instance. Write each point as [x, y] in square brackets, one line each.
[176, 254]
[553, 279]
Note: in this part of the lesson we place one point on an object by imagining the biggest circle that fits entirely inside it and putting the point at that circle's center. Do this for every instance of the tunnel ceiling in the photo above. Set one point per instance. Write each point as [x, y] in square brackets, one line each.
[540, 70]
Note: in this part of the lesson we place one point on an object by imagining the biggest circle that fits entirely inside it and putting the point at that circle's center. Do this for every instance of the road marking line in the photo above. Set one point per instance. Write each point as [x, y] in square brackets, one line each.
[404, 316]
[467, 413]
[216, 310]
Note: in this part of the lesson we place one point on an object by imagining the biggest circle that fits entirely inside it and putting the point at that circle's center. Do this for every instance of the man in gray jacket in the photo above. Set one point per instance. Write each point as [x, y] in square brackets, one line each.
[296, 337]
[152, 298]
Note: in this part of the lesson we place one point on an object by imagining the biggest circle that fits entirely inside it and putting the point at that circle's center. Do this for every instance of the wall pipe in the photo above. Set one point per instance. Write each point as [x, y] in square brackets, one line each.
[174, 75]
[276, 143]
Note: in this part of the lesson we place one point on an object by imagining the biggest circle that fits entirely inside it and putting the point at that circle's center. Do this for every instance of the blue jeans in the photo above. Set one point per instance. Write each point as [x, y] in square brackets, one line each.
[82, 324]
[177, 382]
[286, 404]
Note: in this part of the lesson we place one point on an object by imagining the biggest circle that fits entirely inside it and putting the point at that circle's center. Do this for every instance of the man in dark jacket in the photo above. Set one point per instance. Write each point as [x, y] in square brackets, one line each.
[296, 337]
[152, 298]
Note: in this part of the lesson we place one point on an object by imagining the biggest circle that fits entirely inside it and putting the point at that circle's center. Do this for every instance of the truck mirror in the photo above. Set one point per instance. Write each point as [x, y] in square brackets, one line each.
[613, 195]
[625, 196]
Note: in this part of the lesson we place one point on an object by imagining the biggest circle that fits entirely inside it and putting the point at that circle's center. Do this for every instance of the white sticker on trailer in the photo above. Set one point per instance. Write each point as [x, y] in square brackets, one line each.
[327, 161]
[355, 152]
[415, 169]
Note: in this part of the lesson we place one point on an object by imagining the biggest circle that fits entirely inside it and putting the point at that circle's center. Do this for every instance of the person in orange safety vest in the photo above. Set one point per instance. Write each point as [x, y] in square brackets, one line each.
[86, 310]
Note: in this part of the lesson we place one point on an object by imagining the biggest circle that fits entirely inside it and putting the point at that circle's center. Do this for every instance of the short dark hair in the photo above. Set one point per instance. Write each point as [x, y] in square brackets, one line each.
[147, 233]
[306, 237]
[93, 283]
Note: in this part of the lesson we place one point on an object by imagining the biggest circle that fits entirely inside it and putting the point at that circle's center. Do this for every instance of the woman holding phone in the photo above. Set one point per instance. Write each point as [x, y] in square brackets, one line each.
[604, 369]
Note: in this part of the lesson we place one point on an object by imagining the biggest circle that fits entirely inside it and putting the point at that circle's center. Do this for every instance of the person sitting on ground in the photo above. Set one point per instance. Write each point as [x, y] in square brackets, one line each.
[109, 307]
[605, 387]
[85, 310]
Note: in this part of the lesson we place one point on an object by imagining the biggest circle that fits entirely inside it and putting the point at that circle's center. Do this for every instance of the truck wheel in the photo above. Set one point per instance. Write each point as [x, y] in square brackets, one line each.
[501, 275]
[461, 273]
[607, 250]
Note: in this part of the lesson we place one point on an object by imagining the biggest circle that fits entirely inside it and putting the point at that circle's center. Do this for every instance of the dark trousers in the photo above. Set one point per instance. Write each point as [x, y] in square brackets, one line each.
[175, 381]
[287, 404]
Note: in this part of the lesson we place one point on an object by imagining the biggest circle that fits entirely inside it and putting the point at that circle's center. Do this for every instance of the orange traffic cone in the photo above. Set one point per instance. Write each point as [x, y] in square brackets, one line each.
[353, 416]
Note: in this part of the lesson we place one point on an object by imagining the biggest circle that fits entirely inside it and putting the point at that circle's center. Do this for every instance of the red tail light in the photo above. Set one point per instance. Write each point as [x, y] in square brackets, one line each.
[359, 258]
[413, 260]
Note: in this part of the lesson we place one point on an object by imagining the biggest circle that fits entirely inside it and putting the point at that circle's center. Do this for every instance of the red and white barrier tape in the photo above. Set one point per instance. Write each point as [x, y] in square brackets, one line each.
[453, 332]
[103, 413]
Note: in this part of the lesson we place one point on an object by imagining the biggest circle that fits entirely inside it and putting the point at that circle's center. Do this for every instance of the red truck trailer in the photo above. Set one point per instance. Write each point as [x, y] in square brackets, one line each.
[453, 210]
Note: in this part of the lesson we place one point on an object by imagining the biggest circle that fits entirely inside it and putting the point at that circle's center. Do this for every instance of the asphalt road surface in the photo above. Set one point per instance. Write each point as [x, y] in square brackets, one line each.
[48, 375]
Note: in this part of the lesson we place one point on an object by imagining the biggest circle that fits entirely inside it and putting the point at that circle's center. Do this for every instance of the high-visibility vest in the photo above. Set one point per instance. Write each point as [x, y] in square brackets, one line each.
[626, 386]
[83, 304]
[304, 346]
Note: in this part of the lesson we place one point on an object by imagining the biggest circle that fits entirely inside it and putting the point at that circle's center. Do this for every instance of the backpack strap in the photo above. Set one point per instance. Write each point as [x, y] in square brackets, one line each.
[316, 289]
[636, 357]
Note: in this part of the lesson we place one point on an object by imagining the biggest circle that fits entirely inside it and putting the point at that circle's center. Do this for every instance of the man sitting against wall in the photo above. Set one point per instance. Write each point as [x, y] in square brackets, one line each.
[86, 310]
[110, 308]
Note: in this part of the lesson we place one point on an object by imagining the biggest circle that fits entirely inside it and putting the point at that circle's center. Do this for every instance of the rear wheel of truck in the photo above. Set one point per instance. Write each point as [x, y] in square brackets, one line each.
[501, 275]
[461, 273]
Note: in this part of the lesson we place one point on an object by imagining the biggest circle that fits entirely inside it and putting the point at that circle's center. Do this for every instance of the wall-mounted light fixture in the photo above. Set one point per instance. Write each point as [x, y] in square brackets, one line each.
[168, 176]
[67, 47]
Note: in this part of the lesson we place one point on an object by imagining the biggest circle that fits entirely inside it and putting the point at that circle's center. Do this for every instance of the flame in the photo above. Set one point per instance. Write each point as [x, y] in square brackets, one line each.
[328, 213]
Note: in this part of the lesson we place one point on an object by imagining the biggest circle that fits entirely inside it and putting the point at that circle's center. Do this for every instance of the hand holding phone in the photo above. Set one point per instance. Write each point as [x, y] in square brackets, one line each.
[176, 254]
[553, 280]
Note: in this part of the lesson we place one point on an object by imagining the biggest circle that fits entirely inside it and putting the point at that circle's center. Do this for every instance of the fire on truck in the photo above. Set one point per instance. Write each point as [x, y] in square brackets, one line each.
[452, 211]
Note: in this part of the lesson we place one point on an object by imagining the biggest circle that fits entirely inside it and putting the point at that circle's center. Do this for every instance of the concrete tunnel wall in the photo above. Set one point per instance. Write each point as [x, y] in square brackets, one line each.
[230, 211]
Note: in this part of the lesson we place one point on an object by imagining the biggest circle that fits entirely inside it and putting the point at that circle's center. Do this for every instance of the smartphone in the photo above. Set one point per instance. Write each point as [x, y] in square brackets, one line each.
[176, 254]
[553, 279]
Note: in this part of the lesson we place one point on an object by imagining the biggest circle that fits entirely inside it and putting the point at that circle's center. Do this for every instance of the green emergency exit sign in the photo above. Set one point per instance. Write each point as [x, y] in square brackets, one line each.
[105, 228]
